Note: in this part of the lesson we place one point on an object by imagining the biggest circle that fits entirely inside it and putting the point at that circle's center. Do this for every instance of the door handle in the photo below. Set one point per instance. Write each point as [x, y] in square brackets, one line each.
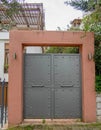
[37, 86]
[66, 86]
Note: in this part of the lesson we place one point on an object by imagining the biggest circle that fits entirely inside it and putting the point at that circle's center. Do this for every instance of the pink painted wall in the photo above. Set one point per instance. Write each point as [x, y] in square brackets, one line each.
[21, 38]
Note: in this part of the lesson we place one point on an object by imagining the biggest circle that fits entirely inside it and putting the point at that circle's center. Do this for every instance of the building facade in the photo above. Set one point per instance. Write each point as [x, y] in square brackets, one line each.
[4, 54]
[4, 40]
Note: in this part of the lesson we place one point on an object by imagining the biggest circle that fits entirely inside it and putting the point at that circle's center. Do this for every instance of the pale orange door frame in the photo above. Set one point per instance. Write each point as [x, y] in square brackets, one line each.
[21, 38]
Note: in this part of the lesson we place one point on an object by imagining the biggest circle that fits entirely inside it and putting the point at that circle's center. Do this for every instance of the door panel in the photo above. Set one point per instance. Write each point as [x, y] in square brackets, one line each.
[67, 103]
[37, 84]
[52, 86]
[37, 103]
[62, 69]
[67, 70]
[37, 70]
[67, 86]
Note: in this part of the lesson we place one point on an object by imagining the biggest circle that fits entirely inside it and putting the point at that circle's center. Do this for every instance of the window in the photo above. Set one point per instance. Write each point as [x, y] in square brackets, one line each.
[6, 61]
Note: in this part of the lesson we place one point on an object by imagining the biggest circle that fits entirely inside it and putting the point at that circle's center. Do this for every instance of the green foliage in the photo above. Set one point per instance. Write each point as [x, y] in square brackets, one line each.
[92, 22]
[78, 4]
[29, 127]
[97, 58]
[12, 7]
[43, 121]
[98, 83]
[62, 50]
[6, 66]
[84, 5]
[80, 126]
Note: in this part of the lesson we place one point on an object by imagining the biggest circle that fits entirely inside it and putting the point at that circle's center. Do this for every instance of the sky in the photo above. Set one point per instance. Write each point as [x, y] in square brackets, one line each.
[57, 14]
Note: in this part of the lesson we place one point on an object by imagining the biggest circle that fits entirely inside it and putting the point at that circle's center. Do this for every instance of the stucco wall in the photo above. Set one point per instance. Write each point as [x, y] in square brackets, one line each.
[21, 38]
[4, 37]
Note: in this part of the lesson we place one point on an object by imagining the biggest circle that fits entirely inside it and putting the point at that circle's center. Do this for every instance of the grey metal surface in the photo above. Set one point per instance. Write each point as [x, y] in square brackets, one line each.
[37, 70]
[67, 86]
[37, 103]
[67, 70]
[37, 84]
[52, 86]
[67, 103]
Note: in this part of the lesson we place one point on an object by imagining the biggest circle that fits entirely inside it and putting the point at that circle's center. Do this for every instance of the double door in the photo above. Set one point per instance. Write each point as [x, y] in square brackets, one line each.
[52, 86]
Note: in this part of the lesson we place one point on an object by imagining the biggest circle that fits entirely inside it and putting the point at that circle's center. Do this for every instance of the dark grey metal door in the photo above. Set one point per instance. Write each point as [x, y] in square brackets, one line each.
[52, 87]
[67, 86]
[37, 83]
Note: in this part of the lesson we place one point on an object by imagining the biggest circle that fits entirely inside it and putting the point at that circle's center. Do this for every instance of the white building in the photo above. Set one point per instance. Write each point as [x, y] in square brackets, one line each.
[4, 39]
[4, 54]
[76, 24]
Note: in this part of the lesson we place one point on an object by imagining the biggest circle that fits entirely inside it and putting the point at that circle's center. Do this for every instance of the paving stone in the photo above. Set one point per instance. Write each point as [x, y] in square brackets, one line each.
[98, 118]
[99, 105]
[98, 99]
[98, 112]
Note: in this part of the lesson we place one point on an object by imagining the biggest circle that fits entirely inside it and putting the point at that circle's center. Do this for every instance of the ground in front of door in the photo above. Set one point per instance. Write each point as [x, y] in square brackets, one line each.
[94, 126]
